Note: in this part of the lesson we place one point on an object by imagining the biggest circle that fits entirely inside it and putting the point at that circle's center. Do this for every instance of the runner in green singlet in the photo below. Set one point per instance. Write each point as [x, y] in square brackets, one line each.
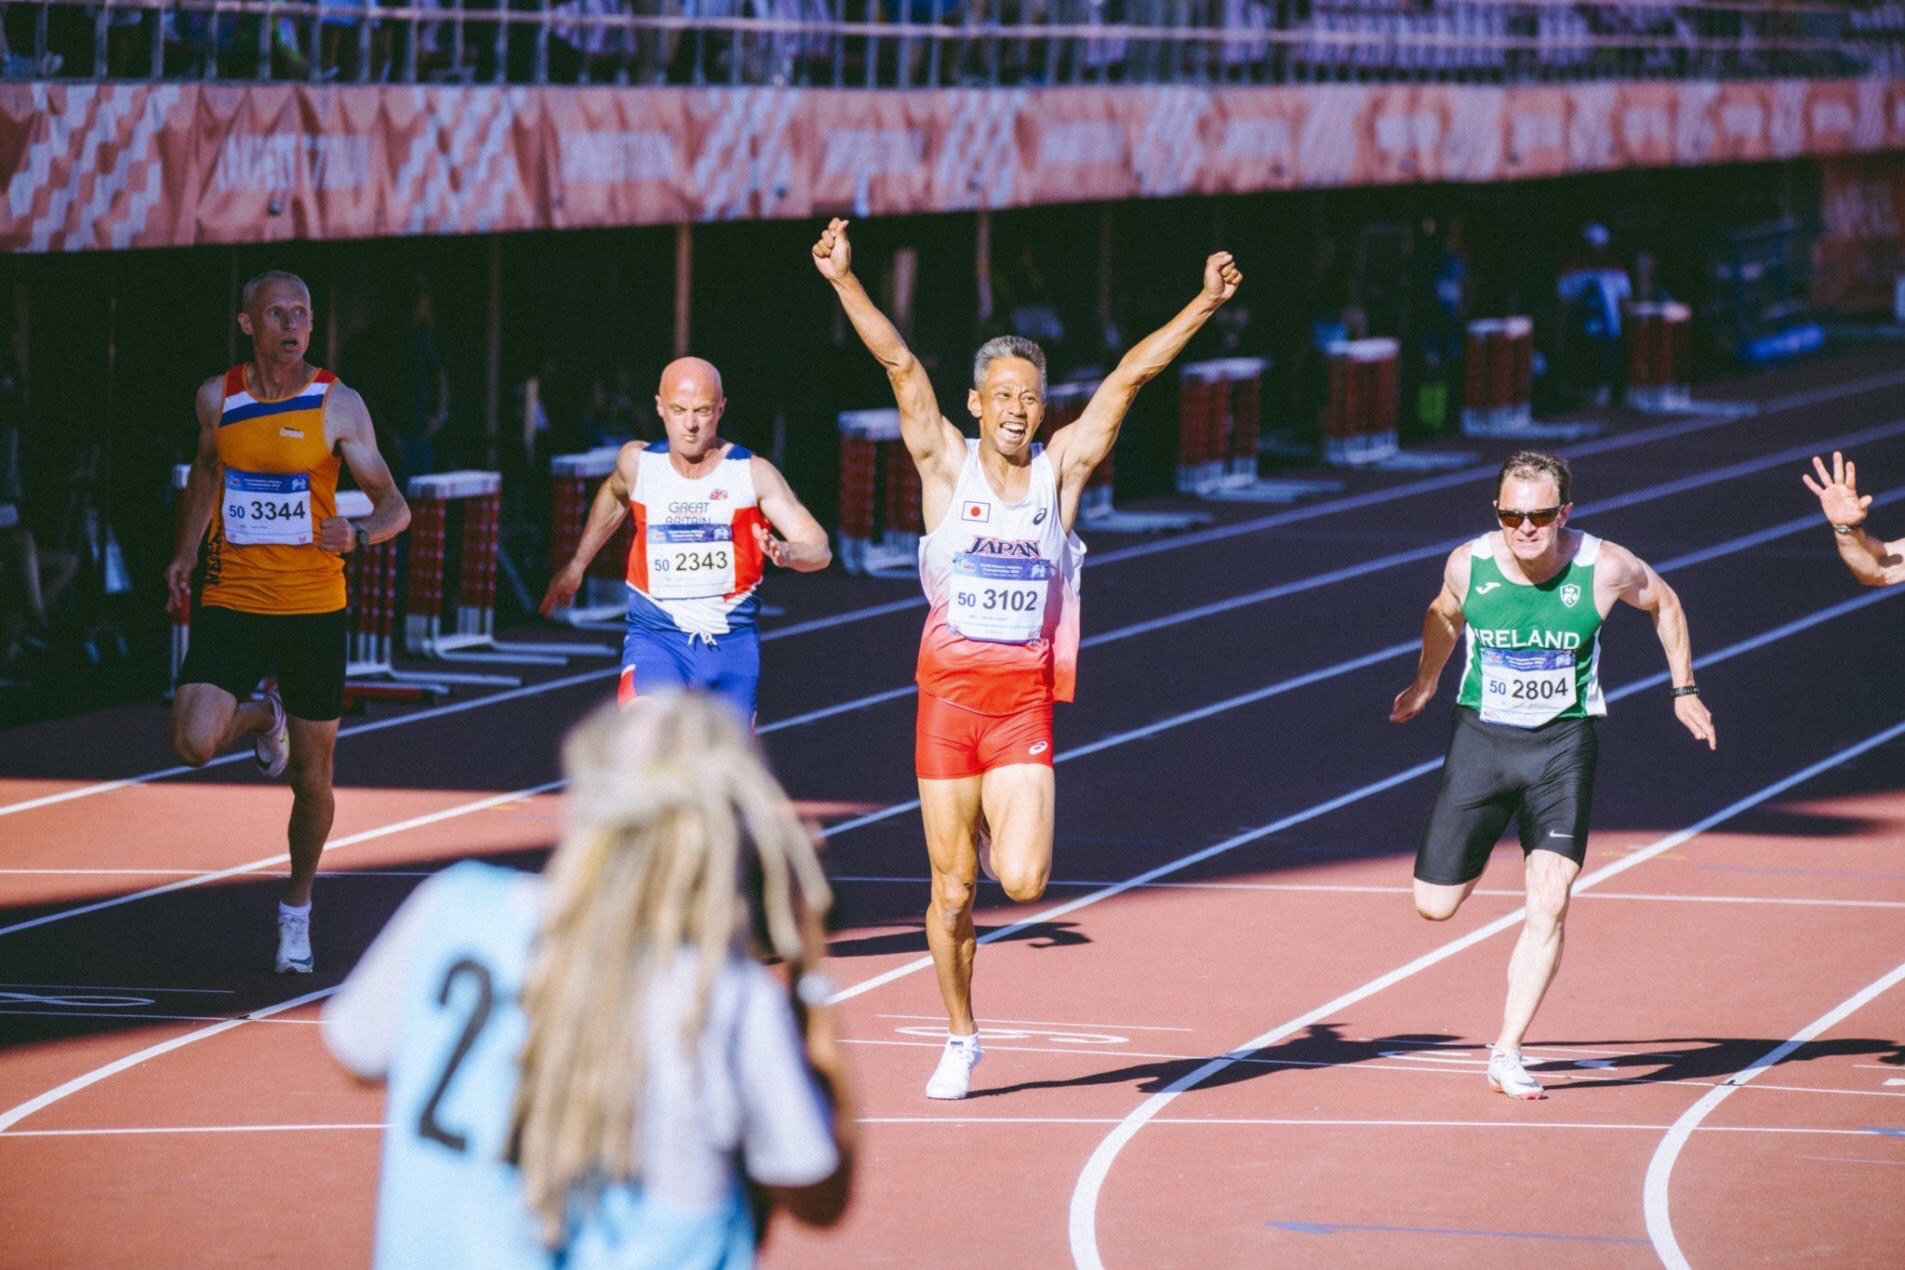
[1531, 599]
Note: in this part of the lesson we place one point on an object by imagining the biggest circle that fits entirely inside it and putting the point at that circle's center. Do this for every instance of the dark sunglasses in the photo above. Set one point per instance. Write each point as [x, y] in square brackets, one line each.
[1541, 516]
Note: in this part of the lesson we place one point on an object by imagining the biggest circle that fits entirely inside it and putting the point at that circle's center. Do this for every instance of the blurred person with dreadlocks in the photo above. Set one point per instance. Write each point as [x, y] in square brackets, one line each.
[593, 1067]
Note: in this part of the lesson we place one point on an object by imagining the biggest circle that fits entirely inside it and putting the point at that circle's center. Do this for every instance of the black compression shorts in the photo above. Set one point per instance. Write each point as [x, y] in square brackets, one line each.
[1544, 777]
[305, 651]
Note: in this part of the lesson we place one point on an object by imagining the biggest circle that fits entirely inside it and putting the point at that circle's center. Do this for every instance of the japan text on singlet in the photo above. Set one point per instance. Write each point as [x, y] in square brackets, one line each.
[278, 479]
[694, 562]
[1002, 580]
[1534, 652]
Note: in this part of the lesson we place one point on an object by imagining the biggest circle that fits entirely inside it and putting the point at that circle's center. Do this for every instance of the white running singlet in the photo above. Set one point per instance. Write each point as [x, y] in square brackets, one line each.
[1002, 579]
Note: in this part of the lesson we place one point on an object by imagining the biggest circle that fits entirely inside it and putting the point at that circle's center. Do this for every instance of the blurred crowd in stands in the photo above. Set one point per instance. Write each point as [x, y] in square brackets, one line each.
[922, 42]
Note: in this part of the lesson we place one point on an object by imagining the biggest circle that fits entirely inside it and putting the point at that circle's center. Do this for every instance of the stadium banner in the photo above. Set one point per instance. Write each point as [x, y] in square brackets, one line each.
[103, 166]
[1859, 256]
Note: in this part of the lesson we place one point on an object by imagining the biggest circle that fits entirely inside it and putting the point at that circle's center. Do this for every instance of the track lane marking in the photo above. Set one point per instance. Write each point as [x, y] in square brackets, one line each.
[1660, 1168]
[1084, 1204]
[1844, 441]
[382, 831]
[15, 1115]
[1111, 741]
[1180, 1121]
[1334, 804]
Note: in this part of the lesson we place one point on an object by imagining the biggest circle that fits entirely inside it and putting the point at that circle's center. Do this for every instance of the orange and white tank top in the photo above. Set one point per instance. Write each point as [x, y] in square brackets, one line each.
[278, 479]
[694, 562]
[1002, 581]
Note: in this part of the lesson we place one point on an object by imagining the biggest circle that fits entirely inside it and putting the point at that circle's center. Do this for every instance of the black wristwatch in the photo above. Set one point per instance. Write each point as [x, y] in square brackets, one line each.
[362, 535]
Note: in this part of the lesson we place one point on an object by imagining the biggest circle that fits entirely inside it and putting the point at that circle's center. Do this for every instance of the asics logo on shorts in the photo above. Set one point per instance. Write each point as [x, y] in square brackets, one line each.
[1038, 747]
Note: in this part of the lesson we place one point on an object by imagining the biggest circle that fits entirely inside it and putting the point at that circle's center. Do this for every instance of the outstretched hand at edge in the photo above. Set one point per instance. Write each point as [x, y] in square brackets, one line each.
[1838, 490]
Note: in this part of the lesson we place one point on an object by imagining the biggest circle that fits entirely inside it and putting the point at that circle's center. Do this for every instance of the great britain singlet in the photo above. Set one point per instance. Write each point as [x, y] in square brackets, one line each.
[694, 562]
[1534, 651]
[278, 479]
[1002, 579]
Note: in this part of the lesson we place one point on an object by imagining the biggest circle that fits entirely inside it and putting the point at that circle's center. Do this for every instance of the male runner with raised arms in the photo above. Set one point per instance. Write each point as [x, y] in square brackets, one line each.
[1531, 598]
[264, 482]
[1000, 565]
[706, 515]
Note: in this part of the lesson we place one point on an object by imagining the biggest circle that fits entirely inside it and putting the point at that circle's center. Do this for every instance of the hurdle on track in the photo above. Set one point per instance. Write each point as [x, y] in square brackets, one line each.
[603, 600]
[371, 575]
[1219, 435]
[1064, 402]
[478, 495]
[1498, 376]
[1659, 357]
[879, 494]
[371, 578]
[1364, 403]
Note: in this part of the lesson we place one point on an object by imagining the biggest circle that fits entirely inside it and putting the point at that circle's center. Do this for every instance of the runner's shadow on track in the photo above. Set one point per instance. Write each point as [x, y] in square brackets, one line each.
[1703, 1058]
[896, 943]
[1321, 1046]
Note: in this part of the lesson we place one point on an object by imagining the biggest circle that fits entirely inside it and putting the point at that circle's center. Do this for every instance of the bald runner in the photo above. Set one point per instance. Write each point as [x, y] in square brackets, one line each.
[710, 515]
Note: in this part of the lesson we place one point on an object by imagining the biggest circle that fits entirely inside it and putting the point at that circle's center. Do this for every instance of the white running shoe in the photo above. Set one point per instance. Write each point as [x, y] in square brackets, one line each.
[294, 943]
[953, 1076]
[1507, 1075]
[273, 746]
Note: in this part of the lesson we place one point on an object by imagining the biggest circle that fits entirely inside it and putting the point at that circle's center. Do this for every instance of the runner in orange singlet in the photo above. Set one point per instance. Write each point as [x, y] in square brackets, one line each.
[262, 498]
[1000, 564]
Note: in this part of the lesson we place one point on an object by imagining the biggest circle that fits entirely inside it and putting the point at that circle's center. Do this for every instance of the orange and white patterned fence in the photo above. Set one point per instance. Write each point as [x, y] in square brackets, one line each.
[116, 165]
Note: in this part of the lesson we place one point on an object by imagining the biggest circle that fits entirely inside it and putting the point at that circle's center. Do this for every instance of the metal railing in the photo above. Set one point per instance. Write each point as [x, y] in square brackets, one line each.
[926, 43]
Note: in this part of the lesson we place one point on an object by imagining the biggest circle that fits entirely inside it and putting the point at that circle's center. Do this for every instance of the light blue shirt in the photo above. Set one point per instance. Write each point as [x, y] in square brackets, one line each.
[434, 1003]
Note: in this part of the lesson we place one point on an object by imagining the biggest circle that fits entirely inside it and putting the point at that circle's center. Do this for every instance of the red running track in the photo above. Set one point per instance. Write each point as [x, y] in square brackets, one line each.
[1223, 1037]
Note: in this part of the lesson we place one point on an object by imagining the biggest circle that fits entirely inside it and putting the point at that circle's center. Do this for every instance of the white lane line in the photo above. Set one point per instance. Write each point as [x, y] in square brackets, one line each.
[1084, 1206]
[1551, 1069]
[1344, 889]
[94, 987]
[1295, 1123]
[1700, 422]
[384, 831]
[1093, 1027]
[1180, 1121]
[1104, 743]
[1665, 489]
[15, 1115]
[1403, 649]
[1660, 1168]
[1847, 441]
[205, 1128]
[115, 1016]
[1320, 809]
[1365, 568]
[163, 873]
[244, 756]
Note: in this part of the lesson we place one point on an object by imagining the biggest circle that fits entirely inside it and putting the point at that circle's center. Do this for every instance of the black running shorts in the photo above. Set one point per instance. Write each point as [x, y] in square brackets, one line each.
[1544, 777]
[305, 651]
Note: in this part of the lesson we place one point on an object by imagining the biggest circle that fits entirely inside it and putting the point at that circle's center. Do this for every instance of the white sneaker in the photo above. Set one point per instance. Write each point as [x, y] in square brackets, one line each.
[294, 943]
[1507, 1075]
[953, 1076]
[273, 745]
